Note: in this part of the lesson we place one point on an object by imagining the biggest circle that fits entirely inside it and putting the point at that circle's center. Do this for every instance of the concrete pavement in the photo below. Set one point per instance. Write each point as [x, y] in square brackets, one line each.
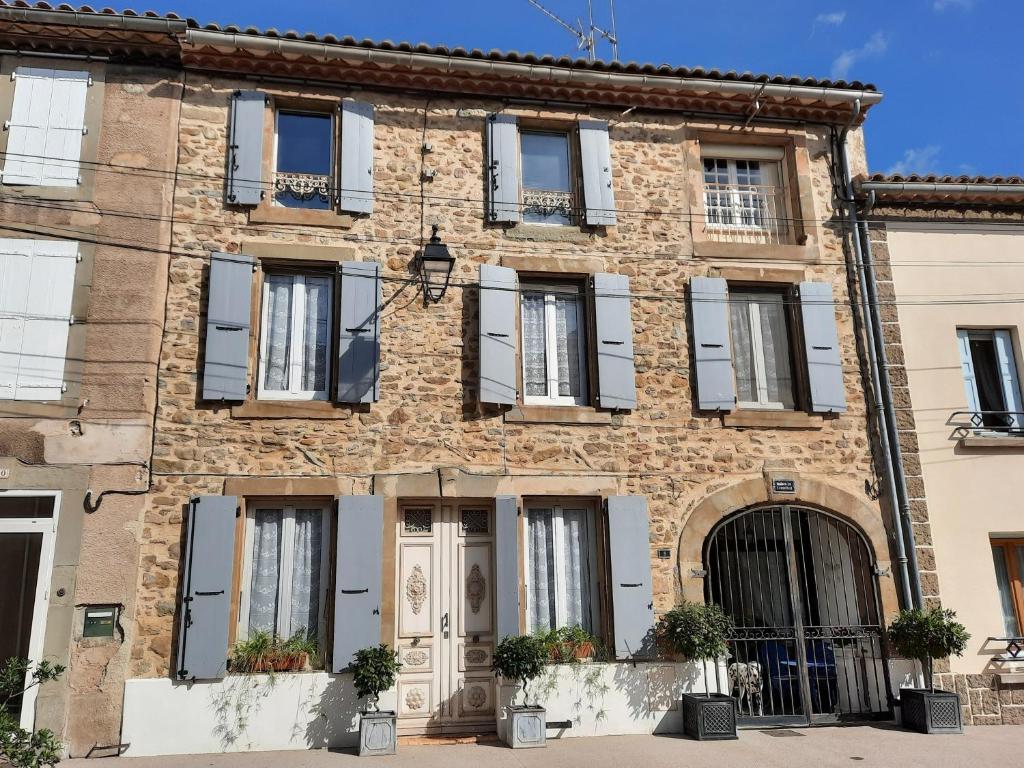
[863, 745]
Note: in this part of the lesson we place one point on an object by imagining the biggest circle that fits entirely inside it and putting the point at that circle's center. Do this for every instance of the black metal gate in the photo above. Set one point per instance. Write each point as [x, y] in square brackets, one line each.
[800, 584]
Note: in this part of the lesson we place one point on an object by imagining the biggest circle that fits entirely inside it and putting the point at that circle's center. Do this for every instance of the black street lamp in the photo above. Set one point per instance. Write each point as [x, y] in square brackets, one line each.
[435, 268]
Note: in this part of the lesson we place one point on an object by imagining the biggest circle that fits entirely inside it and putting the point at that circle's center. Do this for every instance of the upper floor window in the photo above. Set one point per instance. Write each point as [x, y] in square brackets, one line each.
[1008, 558]
[759, 325]
[744, 197]
[990, 379]
[548, 196]
[44, 141]
[554, 345]
[304, 160]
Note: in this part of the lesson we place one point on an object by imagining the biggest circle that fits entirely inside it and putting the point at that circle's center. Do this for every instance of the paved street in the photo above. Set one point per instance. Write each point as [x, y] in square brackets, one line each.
[862, 745]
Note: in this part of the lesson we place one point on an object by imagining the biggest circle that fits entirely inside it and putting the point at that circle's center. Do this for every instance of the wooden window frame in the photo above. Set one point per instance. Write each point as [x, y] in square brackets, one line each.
[585, 321]
[334, 175]
[1016, 578]
[572, 141]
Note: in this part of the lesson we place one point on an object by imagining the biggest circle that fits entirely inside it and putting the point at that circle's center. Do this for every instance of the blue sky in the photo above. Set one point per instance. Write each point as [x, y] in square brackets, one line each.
[949, 68]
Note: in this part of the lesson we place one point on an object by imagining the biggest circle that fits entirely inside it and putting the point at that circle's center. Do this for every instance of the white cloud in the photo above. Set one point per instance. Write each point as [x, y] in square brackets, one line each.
[940, 5]
[876, 45]
[833, 19]
[919, 160]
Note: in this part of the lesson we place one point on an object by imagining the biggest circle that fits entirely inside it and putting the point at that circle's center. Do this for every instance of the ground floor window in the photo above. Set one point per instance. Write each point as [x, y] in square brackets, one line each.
[561, 583]
[1008, 558]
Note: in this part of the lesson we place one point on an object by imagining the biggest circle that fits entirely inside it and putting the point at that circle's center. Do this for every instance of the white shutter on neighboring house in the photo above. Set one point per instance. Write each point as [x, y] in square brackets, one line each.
[963, 338]
[44, 142]
[1008, 376]
[35, 313]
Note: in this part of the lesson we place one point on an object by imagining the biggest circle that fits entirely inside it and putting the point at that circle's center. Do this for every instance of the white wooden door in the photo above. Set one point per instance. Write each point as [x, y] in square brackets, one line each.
[445, 621]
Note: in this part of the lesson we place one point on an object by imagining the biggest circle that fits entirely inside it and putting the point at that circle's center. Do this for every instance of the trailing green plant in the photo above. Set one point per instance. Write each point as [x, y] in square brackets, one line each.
[696, 631]
[520, 657]
[21, 748]
[303, 642]
[567, 645]
[262, 651]
[927, 635]
[375, 670]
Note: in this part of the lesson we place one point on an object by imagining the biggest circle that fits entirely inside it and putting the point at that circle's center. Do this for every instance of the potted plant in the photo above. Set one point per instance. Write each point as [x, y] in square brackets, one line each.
[521, 658]
[926, 635]
[375, 670]
[698, 632]
[264, 652]
[568, 645]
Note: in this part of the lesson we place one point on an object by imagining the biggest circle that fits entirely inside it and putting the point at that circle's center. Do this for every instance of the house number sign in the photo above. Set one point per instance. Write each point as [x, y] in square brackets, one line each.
[784, 486]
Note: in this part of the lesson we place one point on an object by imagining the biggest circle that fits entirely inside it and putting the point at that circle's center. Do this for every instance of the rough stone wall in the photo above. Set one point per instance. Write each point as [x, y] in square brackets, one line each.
[984, 699]
[427, 417]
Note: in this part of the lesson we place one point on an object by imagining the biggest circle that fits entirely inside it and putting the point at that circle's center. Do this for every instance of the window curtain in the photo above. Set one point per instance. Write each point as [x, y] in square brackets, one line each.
[775, 341]
[266, 567]
[774, 344]
[576, 589]
[315, 335]
[279, 332]
[567, 338]
[742, 348]
[551, 596]
[541, 569]
[535, 370]
[305, 608]
[1009, 611]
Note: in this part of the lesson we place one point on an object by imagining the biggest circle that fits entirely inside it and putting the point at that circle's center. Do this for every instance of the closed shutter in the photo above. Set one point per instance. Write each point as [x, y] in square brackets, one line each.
[37, 281]
[596, 162]
[359, 336]
[821, 345]
[206, 588]
[226, 369]
[630, 555]
[616, 373]
[506, 533]
[356, 157]
[497, 335]
[245, 152]
[503, 168]
[712, 349]
[1008, 375]
[357, 586]
[44, 142]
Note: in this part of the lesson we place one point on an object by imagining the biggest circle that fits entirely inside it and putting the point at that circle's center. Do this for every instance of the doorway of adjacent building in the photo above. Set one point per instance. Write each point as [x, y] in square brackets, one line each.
[800, 586]
[444, 622]
[27, 530]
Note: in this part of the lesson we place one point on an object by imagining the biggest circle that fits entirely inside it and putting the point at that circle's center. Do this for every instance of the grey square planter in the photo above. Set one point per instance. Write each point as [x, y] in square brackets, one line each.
[709, 717]
[930, 711]
[377, 733]
[527, 727]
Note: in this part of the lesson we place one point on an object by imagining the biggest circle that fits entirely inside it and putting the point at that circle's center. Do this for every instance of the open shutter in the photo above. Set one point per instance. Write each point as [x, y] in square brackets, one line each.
[821, 346]
[503, 168]
[1008, 375]
[630, 554]
[712, 350]
[16, 268]
[596, 162]
[497, 335]
[358, 583]
[963, 342]
[245, 151]
[356, 157]
[616, 374]
[506, 534]
[226, 368]
[206, 588]
[359, 336]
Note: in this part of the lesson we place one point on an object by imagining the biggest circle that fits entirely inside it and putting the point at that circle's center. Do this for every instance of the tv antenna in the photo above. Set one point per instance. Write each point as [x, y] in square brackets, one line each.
[586, 36]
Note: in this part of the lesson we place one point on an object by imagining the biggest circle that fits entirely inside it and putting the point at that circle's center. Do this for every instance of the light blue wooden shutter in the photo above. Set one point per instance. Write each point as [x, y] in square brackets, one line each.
[1008, 375]
[358, 582]
[616, 373]
[963, 342]
[506, 571]
[245, 150]
[712, 348]
[596, 162]
[629, 548]
[821, 345]
[356, 157]
[206, 588]
[359, 334]
[226, 365]
[497, 335]
[502, 168]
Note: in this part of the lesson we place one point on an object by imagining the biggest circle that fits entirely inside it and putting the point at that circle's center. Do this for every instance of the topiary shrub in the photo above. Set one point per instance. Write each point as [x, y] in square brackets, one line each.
[927, 635]
[375, 670]
[696, 631]
[520, 657]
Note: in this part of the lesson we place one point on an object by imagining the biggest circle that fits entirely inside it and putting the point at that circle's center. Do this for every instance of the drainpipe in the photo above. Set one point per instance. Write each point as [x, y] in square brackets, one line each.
[885, 417]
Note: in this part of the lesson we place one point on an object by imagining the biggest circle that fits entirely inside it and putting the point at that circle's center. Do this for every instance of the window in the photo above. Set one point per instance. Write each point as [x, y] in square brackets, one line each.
[554, 346]
[761, 349]
[547, 179]
[561, 583]
[37, 279]
[284, 576]
[990, 379]
[1008, 558]
[295, 336]
[47, 123]
[743, 197]
[304, 160]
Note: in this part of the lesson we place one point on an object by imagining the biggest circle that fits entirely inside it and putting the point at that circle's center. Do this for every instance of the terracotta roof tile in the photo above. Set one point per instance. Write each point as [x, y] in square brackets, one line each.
[938, 179]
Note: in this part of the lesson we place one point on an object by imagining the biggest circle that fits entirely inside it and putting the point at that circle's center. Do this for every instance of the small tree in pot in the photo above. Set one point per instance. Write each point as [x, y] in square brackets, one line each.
[375, 670]
[521, 658]
[926, 635]
[698, 632]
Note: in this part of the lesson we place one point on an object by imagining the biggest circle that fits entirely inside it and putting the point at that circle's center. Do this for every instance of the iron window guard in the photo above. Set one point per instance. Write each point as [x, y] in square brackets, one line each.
[1014, 650]
[965, 423]
[304, 186]
[548, 202]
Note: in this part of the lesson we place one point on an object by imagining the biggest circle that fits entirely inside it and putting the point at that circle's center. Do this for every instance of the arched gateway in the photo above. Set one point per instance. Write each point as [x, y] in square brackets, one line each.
[800, 585]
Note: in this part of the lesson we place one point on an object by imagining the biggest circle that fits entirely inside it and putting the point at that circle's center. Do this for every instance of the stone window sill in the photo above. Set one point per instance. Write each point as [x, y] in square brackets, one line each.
[279, 409]
[549, 233]
[555, 414]
[713, 249]
[986, 441]
[279, 214]
[772, 420]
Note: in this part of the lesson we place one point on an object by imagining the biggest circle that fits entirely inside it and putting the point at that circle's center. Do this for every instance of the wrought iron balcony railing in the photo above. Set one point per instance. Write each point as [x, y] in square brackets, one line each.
[1014, 650]
[549, 206]
[302, 187]
[745, 213]
[966, 423]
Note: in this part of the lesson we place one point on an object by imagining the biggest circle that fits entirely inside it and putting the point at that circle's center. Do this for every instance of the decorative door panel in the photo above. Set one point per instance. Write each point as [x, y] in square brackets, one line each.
[416, 658]
[476, 697]
[476, 656]
[418, 598]
[416, 697]
[476, 616]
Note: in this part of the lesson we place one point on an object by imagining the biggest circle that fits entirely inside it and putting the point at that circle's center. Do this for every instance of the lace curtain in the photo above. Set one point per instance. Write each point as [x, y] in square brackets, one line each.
[567, 344]
[315, 334]
[567, 338]
[279, 332]
[771, 336]
[535, 364]
[550, 596]
[266, 570]
[305, 592]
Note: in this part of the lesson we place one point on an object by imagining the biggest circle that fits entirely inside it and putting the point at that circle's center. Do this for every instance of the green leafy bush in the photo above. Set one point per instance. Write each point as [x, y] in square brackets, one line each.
[264, 652]
[927, 635]
[20, 748]
[696, 631]
[568, 645]
[520, 657]
[376, 669]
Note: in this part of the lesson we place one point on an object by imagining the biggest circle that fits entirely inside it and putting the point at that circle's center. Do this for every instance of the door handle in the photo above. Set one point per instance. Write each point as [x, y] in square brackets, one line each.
[444, 624]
